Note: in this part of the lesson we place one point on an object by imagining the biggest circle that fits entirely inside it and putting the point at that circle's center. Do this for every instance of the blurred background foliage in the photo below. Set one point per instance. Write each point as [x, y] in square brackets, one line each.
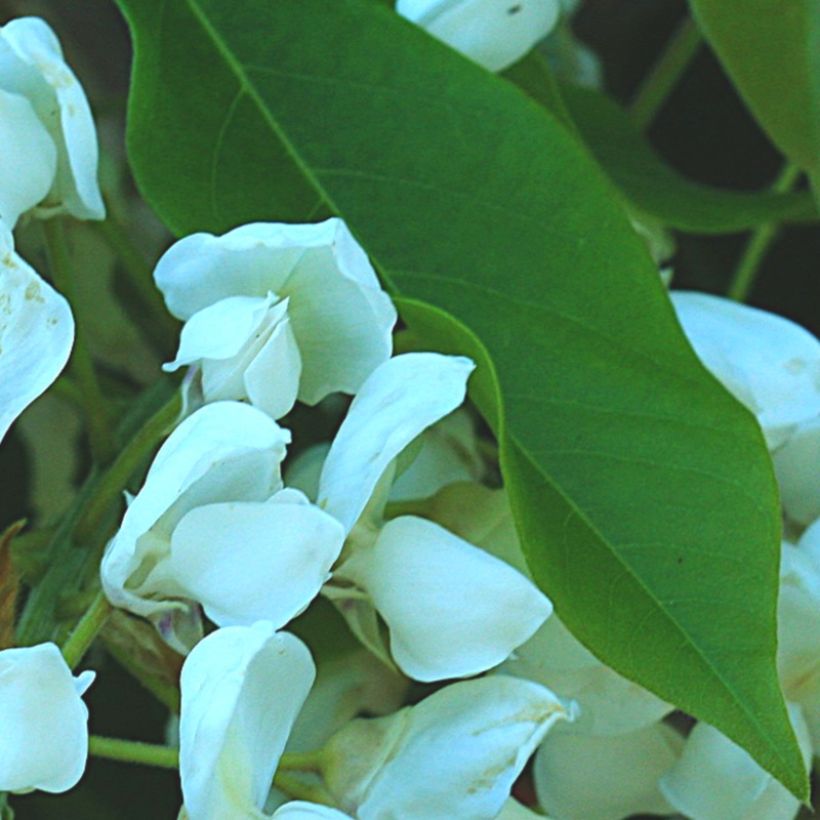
[703, 131]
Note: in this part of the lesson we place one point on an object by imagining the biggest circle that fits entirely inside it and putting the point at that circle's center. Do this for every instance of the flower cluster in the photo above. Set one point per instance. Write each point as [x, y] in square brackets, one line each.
[396, 529]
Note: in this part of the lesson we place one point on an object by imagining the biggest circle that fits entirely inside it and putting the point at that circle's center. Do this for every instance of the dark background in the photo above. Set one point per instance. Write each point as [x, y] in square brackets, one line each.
[703, 130]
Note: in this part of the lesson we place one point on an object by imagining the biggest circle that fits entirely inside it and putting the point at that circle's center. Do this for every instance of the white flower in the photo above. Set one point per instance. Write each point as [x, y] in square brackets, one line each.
[300, 810]
[715, 779]
[274, 312]
[58, 167]
[452, 609]
[224, 452]
[36, 334]
[579, 776]
[767, 362]
[493, 33]
[797, 465]
[242, 688]
[455, 754]
[44, 739]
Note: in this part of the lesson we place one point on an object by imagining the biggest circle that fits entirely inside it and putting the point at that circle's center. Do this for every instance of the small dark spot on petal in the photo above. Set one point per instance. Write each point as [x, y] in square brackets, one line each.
[512, 10]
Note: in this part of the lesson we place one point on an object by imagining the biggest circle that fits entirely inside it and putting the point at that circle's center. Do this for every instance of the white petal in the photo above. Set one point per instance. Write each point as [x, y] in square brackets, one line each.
[303, 472]
[36, 334]
[33, 66]
[299, 810]
[272, 378]
[28, 160]
[251, 561]
[797, 465]
[715, 779]
[770, 364]
[493, 33]
[579, 777]
[221, 330]
[398, 401]
[225, 451]
[455, 754]
[452, 609]
[242, 688]
[610, 704]
[44, 742]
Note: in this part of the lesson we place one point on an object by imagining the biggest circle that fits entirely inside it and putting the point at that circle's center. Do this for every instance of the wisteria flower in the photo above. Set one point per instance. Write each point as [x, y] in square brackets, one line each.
[455, 754]
[44, 741]
[36, 333]
[493, 33]
[276, 312]
[224, 452]
[452, 609]
[242, 688]
[50, 131]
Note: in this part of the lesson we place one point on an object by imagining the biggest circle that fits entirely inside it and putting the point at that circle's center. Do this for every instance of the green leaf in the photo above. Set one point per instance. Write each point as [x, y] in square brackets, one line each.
[771, 50]
[648, 183]
[643, 491]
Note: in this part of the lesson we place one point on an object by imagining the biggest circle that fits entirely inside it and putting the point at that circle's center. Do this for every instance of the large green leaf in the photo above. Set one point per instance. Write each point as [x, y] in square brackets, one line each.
[642, 489]
[771, 50]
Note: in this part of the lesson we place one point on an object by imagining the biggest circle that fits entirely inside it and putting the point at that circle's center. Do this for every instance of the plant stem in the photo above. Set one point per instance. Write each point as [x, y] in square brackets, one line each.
[665, 74]
[134, 751]
[86, 630]
[115, 479]
[81, 364]
[761, 240]
[159, 325]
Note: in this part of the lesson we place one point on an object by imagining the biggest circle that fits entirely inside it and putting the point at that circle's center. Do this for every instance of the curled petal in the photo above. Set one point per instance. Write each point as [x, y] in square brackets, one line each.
[255, 561]
[44, 742]
[36, 334]
[33, 65]
[770, 364]
[455, 754]
[492, 33]
[715, 779]
[341, 318]
[225, 451]
[398, 401]
[242, 688]
[580, 776]
[28, 160]
[452, 609]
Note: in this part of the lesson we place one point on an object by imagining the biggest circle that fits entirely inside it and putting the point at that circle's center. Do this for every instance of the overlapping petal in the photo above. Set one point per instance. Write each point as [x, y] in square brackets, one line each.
[36, 334]
[580, 776]
[714, 779]
[398, 401]
[492, 33]
[452, 609]
[224, 452]
[249, 561]
[28, 160]
[455, 754]
[797, 465]
[770, 364]
[242, 688]
[340, 318]
[44, 737]
[32, 65]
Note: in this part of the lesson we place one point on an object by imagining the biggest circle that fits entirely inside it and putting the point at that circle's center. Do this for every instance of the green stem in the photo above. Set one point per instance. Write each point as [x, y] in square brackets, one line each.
[86, 630]
[761, 240]
[158, 324]
[133, 751]
[665, 74]
[81, 364]
[115, 479]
